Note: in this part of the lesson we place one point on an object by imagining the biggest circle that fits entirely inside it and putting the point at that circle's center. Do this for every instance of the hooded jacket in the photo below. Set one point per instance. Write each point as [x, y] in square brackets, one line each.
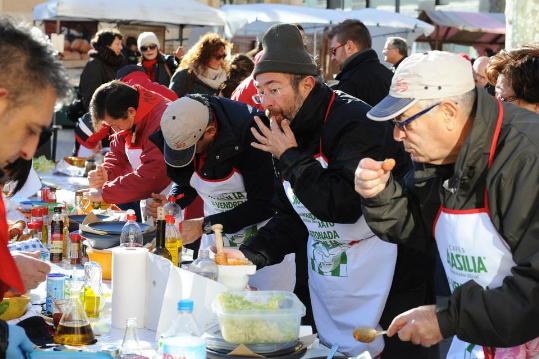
[127, 184]
[499, 317]
[142, 79]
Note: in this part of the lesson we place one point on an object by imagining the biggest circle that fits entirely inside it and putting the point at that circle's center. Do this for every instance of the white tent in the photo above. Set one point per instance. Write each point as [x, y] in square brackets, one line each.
[183, 12]
[240, 17]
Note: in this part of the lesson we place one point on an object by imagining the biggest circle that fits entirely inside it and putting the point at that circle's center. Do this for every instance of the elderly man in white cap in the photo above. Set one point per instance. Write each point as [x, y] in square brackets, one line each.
[475, 189]
[158, 66]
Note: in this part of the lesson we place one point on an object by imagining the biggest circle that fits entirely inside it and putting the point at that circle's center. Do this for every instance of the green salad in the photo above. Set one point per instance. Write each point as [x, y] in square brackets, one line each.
[254, 322]
[42, 164]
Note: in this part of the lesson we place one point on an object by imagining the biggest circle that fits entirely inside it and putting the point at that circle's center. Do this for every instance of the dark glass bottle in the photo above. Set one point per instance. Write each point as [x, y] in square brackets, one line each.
[160, 226]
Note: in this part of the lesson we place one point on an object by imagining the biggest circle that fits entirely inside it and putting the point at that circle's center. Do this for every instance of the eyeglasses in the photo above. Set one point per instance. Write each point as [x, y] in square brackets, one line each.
[149, 47]
[402, 124]
[219, 57]
[259, 97]
[508, 98]
[333, 50]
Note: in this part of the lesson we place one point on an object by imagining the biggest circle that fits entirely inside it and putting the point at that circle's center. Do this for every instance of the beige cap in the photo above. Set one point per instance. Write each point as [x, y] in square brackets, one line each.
[183, 123]
[424, 76]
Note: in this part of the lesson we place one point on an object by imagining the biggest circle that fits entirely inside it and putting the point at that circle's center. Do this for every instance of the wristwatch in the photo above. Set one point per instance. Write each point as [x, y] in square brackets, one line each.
[206, 226]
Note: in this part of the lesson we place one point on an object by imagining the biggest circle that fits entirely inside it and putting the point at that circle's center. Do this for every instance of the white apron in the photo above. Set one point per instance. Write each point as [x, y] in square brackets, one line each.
[133, 156]
[472, 249]
[350, 275]
[223, 195]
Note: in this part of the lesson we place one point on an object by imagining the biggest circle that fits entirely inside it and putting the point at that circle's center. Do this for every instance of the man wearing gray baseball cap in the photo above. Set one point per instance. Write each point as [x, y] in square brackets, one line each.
[206, 142]
[475, 189]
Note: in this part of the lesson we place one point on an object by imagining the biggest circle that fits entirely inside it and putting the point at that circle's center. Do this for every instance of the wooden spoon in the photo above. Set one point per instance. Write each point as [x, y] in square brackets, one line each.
[367, 335]
[220, 256]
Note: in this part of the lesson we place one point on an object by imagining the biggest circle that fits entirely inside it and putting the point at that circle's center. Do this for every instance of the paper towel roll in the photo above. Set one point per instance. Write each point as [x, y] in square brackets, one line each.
[128, 285]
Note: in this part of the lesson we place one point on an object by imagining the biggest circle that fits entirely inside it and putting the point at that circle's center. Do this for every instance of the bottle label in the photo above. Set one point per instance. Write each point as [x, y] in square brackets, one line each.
[184, 348]
[57, 243]
[172, 246]
[74, 250]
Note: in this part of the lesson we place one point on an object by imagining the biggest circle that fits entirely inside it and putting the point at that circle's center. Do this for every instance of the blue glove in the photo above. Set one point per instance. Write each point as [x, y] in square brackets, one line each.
[18, 343]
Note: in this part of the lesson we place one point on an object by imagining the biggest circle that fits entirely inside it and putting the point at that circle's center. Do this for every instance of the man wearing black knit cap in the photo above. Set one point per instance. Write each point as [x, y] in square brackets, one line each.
[317, 137]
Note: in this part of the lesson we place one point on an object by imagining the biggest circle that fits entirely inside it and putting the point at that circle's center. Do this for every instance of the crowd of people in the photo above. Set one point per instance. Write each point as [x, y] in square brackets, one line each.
[297, 172]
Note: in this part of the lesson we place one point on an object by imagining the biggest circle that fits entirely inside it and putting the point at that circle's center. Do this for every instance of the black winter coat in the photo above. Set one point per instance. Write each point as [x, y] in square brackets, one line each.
[504, 316]
[364, 77]
[186, 82]
[230, 150]
[101, 69]
[164, 69]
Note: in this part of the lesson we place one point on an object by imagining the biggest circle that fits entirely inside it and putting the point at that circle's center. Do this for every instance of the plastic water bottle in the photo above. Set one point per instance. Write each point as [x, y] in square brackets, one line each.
[131, 232]
[171, 208]
[182, 339]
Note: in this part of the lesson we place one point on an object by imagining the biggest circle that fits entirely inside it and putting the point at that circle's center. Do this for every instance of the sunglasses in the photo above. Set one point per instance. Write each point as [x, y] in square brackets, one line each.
[219, 57]
[333, 50]
[149, 47]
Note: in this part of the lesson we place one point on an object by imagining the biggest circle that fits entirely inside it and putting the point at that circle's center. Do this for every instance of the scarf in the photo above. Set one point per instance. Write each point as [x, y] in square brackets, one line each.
[148, 68]
[107, 56]
[211, 77]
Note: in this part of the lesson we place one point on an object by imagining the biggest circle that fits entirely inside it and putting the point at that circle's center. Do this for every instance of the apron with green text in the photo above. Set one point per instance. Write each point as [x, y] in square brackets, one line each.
[224, 195]
[472, 249]
[350, 274]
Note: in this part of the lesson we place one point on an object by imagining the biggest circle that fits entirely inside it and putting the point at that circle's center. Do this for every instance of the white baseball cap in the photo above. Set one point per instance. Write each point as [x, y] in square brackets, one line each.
[425, 76]
[183, 123]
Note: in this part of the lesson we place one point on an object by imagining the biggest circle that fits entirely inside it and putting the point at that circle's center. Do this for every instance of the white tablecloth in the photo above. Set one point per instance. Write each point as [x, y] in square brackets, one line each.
[112, 337]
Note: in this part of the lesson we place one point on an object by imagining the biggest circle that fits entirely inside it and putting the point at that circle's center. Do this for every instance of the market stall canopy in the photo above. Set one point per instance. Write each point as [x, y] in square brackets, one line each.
[239, 18]
[476, 29]
[186, 12]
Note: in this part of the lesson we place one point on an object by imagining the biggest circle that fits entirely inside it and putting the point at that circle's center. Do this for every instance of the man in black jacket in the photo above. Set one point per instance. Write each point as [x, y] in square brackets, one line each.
[477, 165]
[362, 75]
[207, 148]
[317, 137]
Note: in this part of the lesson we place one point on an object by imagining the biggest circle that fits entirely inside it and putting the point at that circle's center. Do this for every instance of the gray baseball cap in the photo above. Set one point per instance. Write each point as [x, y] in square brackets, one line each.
[183, 123]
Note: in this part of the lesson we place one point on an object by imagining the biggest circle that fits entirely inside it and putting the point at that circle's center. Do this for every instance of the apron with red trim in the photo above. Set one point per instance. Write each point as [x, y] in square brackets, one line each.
[472, 249]
[133, 153]
[224, 195]
[350, 274]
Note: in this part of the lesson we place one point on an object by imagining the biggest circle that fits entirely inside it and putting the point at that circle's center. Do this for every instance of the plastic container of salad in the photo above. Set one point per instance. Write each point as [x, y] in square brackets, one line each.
[258, 317]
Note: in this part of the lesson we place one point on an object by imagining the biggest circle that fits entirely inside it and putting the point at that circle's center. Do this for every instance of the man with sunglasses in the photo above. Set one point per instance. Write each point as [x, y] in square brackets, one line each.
[474, 188]
[362, 75]
[317, 136]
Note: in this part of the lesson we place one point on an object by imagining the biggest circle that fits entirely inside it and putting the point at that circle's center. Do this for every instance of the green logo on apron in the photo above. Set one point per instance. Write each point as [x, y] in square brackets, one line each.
[465, 263]
[329, 258]
[235, 239]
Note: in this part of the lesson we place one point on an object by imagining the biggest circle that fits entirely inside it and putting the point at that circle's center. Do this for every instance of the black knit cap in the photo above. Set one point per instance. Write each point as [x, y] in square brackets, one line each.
[284, 52]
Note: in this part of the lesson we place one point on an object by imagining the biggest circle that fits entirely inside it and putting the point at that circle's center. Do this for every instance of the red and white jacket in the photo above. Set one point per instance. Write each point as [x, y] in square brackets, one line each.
[127, 184]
